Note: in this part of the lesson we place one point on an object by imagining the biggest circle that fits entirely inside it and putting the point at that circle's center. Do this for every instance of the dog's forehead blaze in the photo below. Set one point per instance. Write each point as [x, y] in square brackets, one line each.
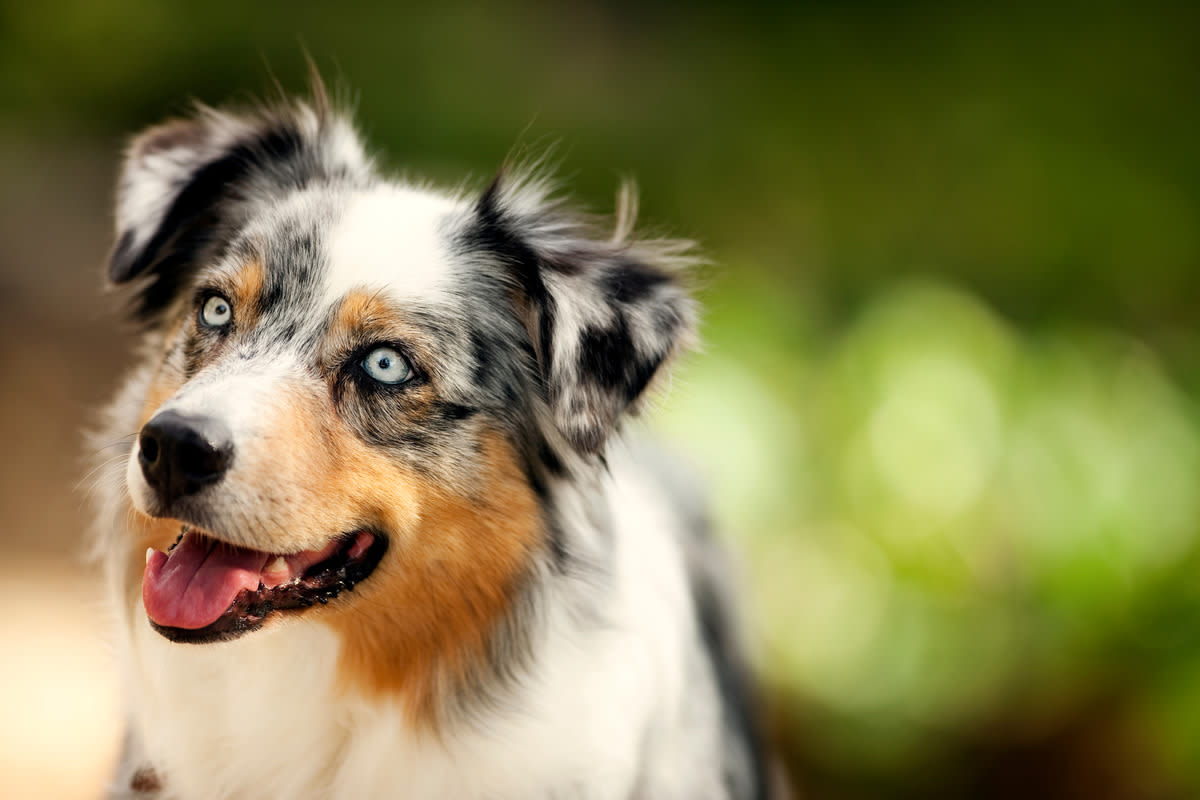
[450, 577]
[391, 236]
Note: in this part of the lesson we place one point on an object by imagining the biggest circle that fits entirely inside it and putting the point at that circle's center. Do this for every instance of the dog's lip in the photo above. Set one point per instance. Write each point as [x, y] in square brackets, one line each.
[203, 589]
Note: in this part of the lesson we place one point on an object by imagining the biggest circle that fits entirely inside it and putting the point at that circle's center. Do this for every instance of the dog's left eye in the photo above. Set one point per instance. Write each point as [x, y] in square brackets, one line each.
[216, 312]
[386, 365]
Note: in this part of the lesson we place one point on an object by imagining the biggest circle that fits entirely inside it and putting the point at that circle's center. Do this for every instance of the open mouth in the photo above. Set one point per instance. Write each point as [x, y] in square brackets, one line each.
[205, 590]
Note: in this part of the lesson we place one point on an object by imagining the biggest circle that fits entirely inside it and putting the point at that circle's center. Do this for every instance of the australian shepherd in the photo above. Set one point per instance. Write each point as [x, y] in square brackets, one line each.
[377, 533]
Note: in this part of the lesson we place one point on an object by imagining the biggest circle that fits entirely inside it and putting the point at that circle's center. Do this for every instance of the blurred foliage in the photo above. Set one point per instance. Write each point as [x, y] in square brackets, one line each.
[1043, 156]
[948, 393]
[954, 524]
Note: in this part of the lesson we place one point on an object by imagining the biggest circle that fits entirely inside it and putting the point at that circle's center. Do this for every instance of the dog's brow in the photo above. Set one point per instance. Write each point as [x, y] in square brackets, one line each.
[244, 282]
[361, 309]
[248, 281]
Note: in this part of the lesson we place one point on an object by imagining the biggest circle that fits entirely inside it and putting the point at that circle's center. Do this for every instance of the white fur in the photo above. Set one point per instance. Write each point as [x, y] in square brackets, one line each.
[389, 238]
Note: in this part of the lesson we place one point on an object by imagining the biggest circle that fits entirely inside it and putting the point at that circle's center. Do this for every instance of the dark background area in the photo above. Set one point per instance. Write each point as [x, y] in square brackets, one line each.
[947, 398]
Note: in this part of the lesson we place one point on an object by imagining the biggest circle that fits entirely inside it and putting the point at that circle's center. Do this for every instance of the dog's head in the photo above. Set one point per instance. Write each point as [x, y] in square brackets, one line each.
[366, 385]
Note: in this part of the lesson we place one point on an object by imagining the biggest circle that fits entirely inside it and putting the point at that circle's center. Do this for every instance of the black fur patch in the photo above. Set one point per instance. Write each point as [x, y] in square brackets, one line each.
[120, 263]
[609, 358]
[632, 281]
[270, 298]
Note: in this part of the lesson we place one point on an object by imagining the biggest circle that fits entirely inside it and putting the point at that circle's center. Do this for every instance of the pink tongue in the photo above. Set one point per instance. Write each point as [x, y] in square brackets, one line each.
[193, 585]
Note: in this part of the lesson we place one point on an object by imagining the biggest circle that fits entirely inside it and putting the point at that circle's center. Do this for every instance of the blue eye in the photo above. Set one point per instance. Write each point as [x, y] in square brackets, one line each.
[386, 365]
[216, 312]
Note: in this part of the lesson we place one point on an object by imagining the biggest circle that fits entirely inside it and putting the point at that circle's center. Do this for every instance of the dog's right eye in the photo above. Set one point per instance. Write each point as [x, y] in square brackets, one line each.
[386, 365]
[216, 312]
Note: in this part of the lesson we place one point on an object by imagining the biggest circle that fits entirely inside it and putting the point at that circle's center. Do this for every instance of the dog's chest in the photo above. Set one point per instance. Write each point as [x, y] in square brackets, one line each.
[264, 717]
[253, 718]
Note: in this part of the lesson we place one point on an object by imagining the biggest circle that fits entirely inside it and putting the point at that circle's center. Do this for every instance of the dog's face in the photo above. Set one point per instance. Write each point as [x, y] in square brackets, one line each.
[360, 385]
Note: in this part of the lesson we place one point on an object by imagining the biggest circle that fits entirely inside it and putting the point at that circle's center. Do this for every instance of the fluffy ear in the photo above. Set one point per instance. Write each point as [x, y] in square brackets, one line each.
[181, 183]
[604, 313]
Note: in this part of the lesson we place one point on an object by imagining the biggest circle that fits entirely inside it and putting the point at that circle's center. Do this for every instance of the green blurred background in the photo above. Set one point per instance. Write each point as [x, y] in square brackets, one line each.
[947, 403]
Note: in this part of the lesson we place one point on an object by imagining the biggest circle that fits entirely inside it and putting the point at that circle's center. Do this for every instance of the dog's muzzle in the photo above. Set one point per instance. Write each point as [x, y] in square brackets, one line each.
[180, 455]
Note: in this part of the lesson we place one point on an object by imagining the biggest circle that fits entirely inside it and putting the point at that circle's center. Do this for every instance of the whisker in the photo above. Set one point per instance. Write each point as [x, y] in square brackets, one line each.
[124, 440]
[96, 473]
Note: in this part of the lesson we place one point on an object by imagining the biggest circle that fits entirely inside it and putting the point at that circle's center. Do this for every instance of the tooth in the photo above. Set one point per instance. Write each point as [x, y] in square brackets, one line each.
[278, 565]
[149, 553]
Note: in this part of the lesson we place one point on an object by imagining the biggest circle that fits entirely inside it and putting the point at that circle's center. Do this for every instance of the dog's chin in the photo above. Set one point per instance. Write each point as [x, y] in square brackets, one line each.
[204, 590]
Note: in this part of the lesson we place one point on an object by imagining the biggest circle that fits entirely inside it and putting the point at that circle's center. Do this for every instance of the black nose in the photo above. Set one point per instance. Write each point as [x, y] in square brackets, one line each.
[180, 455]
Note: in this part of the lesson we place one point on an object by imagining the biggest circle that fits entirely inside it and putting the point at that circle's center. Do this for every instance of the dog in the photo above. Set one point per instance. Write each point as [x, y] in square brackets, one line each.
[375, 530]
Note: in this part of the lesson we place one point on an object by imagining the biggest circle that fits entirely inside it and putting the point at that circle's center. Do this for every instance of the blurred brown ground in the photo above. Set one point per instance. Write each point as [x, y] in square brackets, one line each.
[57, 680]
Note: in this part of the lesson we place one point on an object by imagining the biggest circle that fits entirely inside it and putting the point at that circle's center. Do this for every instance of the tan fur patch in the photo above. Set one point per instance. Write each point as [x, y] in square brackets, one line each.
[358, 311]
[245, 287]
[419, 625]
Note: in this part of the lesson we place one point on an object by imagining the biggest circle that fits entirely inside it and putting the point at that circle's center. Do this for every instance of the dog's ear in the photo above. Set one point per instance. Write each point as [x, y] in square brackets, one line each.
[173, 183]
[179, 190]
[604, 313]
[160, 168]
